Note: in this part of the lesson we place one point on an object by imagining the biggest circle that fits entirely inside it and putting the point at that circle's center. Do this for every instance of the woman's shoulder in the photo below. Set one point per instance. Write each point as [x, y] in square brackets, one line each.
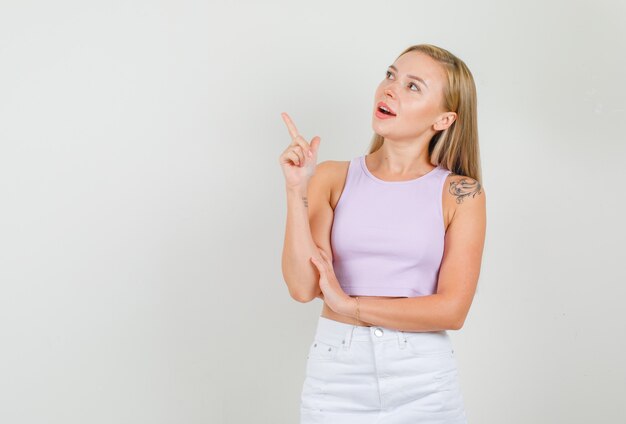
[333, 169]
[460, 187]
[333, 174]
[462, 195]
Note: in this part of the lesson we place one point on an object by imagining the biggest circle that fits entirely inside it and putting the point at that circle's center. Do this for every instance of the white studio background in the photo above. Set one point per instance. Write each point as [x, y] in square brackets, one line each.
[142, 205]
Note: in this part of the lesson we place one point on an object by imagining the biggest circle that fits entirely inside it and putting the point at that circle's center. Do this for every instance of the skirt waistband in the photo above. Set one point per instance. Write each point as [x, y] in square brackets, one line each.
[339, 333]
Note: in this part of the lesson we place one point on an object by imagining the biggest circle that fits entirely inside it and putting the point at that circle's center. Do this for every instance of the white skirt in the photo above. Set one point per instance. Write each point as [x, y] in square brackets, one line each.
[358, 374]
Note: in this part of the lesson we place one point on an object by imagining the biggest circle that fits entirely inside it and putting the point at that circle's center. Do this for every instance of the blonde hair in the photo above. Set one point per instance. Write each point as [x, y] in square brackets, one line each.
[456, 147]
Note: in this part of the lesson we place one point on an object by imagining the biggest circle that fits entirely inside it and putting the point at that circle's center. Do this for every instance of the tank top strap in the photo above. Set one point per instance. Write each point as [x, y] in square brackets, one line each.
[352, 178]
[442, 187]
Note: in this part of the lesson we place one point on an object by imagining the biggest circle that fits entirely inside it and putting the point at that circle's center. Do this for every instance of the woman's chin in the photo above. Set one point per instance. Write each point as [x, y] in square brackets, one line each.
[380, 129]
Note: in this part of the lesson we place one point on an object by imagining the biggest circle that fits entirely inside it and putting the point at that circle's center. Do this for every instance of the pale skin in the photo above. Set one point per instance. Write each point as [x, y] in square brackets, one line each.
[403, 156]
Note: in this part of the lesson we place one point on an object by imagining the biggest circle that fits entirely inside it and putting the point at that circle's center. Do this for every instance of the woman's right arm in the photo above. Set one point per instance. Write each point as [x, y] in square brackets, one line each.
[309, 220]
[304, 182]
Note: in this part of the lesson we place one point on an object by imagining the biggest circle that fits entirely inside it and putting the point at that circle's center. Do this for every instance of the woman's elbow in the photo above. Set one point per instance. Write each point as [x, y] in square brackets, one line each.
[303, 296]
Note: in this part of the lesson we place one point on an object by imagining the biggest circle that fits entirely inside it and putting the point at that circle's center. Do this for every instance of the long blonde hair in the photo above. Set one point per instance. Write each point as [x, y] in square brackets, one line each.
[456, 147]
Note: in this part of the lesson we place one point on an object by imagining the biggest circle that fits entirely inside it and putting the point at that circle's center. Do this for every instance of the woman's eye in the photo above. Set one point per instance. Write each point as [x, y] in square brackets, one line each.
[388, 73]
[415, 85]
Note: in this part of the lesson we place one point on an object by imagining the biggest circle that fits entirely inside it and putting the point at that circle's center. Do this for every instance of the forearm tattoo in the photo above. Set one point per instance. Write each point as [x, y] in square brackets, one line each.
[306, 201]
[464, 187]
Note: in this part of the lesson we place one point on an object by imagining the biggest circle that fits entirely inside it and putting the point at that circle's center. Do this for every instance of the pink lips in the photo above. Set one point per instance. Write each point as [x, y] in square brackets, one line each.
[382, 115]
[386, 106]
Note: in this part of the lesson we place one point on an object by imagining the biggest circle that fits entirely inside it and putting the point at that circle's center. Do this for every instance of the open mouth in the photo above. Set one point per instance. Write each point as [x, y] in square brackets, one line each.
[386, 110]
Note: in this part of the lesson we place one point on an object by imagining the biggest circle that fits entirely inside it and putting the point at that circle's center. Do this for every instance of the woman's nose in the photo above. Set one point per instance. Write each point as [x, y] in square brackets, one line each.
[389, 93]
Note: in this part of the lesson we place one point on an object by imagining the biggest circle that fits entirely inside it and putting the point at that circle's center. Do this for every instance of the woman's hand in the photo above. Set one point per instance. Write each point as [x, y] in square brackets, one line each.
[332, 293]
[298, 160]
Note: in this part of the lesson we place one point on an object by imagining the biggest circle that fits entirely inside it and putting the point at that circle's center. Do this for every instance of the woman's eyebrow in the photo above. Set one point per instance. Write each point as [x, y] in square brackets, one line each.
[410, 76]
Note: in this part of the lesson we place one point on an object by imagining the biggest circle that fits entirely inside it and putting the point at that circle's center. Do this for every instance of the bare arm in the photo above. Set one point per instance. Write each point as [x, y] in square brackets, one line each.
[298, 272]
[309, 214]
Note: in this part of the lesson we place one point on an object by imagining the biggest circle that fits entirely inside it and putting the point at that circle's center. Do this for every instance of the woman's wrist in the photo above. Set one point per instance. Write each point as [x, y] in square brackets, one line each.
[352, 309]
[297, 190]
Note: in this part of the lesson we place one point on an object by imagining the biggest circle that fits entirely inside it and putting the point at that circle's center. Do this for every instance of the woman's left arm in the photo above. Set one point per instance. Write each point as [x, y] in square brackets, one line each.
[458, 278]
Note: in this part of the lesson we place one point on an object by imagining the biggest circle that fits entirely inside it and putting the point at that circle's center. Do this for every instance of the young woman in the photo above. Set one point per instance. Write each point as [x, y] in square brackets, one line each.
[392, 242]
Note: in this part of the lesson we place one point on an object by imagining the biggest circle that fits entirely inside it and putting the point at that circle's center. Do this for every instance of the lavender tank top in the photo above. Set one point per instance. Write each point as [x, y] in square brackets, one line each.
[387, 237]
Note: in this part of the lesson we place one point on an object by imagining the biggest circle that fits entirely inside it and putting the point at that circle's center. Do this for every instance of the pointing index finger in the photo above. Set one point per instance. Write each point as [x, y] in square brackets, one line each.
[293, 131]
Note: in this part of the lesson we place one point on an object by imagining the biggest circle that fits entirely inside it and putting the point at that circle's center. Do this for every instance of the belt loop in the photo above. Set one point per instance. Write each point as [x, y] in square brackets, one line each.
[348, 338]
[401, 339]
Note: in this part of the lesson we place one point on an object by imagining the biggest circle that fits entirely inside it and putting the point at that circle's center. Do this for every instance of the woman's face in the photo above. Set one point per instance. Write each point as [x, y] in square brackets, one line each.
[417, 105]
